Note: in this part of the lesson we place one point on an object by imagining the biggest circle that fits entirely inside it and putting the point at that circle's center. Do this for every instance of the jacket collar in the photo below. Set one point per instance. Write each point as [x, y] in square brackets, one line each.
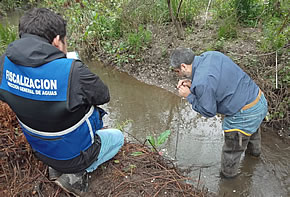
[195, 64]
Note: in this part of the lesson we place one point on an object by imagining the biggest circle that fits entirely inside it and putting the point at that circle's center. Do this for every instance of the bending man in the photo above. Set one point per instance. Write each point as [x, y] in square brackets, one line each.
[218, 85]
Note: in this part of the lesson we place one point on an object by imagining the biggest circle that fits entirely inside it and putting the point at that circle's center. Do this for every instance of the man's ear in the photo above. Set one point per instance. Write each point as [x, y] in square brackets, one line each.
[56, 41]
[183, 66]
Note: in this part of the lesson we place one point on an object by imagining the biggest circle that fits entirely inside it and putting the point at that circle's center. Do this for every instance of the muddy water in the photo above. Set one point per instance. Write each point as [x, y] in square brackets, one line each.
[195, 142]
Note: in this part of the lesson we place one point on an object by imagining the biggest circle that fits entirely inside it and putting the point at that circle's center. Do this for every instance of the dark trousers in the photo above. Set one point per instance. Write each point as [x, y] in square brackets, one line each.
[234, 145]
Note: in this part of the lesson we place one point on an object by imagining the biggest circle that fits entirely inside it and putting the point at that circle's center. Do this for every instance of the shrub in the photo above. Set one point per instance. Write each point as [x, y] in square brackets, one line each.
[139, 39]
[228, 28]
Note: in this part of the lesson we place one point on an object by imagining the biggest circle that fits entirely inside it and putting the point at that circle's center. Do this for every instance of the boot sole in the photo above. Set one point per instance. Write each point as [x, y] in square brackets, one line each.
[64, 187]
[222, 175]
[53, 174]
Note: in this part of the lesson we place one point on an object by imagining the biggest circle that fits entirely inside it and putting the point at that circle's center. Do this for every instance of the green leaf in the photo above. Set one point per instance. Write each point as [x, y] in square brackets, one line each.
[132, 166]
[135, 154]
[151, 140]
[163, 137]
[116, 161]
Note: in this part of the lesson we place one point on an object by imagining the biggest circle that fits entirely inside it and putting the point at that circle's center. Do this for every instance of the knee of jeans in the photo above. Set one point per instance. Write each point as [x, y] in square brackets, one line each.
[114, 133]
[120, 136]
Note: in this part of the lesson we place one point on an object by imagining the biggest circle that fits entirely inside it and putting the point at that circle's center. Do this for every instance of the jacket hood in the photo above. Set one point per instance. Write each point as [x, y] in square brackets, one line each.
[31, 50]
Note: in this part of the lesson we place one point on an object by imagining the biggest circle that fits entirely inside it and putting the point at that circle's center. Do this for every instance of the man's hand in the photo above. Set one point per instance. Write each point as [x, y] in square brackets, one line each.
[184, 82]
[183, 91]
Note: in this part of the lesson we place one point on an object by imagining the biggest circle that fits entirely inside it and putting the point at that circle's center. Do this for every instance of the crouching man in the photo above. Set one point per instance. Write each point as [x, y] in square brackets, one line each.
[56, 100]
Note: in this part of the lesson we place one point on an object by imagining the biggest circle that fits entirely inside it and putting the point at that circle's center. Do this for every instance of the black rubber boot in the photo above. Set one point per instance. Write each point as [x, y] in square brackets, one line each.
[254, 145]
[234, 146]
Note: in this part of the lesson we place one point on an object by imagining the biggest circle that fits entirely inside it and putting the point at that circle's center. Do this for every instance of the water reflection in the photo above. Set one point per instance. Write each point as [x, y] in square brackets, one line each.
[150, 108]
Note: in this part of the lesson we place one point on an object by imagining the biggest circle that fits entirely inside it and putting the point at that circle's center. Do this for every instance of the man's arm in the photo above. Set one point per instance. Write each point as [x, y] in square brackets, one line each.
[1, 72]
[86, 87]
[203, 101]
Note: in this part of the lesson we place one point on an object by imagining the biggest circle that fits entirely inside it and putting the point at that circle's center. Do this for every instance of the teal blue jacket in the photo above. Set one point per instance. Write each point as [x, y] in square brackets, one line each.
[219, 85]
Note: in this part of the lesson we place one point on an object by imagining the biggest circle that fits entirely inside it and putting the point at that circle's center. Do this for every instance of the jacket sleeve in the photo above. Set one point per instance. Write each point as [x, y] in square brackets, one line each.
[86, 87]
[1, 73]
[203, 100]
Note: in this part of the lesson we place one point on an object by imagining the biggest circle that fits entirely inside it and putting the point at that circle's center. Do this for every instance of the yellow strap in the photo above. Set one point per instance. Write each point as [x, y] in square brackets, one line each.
[254, 102]
[243, 132]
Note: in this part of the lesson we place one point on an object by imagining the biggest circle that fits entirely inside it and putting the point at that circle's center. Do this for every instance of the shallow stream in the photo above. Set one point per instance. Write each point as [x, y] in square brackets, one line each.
[195, 142]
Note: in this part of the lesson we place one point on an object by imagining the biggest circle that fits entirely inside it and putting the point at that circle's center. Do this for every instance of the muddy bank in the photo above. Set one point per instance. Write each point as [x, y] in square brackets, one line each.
[154, 67]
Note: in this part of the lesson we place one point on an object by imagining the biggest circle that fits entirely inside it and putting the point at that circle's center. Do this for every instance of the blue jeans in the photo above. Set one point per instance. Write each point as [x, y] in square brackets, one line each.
[241, 135]
[247, 121]
[111, 142]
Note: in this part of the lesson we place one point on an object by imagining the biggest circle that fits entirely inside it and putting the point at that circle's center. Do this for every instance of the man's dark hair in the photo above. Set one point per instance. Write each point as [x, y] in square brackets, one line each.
[44, 23]
[181, 56]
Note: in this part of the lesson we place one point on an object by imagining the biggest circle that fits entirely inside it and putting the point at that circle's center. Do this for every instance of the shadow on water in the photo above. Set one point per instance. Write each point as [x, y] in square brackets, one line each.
[195, 142]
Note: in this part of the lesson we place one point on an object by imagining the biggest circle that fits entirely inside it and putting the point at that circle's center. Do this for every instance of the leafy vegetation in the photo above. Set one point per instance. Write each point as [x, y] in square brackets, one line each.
[248, 11]
[7, 35]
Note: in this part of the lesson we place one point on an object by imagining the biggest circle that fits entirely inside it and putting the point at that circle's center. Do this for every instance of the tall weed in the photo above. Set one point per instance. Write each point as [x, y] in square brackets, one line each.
[228, 29]
[7, 35]
[139, 39]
